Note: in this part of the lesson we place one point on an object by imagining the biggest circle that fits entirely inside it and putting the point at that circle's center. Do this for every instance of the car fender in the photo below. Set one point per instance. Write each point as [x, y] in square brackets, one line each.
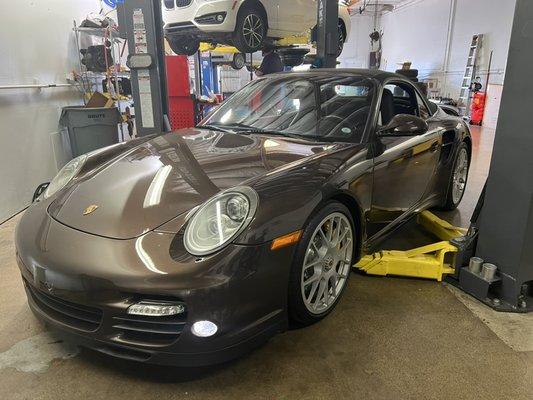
[287, 200]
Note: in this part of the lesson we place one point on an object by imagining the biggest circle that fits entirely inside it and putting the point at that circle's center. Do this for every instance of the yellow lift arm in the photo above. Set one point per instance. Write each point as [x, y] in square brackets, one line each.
[289, 41]
[429, 262]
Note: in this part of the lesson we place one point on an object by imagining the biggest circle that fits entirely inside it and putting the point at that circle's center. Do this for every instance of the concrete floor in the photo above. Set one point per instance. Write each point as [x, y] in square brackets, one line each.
[388, 339]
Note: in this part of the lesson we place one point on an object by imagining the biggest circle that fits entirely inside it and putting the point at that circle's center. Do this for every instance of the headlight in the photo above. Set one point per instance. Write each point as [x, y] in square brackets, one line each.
[67, 173]
[220, 220]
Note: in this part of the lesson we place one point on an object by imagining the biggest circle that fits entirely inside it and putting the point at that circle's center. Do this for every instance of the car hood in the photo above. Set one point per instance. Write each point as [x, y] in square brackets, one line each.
[170, 175]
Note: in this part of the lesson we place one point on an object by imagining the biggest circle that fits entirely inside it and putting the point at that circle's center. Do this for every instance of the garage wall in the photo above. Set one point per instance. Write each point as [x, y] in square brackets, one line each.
[37, 46]
[356, 53]
[436, 34]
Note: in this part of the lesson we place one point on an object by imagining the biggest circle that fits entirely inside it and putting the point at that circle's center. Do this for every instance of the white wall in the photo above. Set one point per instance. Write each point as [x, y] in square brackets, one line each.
[493, 18]
[356, 53]
[416, 33]
[37, 46]
[419, 32]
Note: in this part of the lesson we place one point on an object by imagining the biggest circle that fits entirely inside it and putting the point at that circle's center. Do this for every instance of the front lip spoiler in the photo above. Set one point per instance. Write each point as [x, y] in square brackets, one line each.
[158, 357]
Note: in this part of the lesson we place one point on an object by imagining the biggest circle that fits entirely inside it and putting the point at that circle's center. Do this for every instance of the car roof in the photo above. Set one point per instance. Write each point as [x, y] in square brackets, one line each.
[367, 73]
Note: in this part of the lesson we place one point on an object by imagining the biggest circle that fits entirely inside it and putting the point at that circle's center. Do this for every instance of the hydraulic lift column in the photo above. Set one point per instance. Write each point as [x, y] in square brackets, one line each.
[141, 23]
[506, 220]
[327, 33]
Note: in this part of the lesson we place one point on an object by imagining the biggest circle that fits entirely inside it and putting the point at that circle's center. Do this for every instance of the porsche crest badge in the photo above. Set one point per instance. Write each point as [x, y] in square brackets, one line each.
[89, 210]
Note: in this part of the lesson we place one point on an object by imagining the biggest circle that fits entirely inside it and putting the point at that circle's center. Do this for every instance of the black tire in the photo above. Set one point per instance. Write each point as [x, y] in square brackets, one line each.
[245, 41]
[184, 46]
[238, 62]
[299, 315]
[450, 203]
[342, 37]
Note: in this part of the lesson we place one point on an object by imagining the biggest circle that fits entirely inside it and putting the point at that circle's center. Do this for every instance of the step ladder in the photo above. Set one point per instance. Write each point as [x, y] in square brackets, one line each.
[465, 98]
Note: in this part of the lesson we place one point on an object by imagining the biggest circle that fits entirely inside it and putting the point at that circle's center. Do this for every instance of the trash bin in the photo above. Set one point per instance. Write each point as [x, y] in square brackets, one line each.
[89, 129]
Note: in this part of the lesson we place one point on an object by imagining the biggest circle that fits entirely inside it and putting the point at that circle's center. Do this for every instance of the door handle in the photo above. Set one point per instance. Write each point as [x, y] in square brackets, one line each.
[434, 147]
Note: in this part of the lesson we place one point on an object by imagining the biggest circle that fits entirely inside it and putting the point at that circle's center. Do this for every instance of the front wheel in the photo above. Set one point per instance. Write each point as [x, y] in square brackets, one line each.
[251, 30]
[458, 179]
[322, 264]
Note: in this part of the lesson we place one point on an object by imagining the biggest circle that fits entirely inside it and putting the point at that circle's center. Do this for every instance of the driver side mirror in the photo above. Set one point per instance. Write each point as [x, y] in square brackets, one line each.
[404, 125]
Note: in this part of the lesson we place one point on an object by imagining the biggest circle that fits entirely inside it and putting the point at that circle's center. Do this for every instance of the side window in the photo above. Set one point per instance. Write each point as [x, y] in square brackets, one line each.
[433, 108]
[423, 111]
[397, 99]
[345, 107]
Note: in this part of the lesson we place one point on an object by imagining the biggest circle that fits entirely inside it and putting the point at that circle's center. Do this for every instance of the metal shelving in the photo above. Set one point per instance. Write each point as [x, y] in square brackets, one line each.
[92, 81]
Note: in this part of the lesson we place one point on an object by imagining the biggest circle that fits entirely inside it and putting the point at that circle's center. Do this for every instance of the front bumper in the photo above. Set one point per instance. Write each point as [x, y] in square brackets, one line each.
[81, 285]
[191, 20]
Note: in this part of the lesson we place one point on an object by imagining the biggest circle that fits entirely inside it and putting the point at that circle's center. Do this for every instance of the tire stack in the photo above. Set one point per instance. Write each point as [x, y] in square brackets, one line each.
[412, 74]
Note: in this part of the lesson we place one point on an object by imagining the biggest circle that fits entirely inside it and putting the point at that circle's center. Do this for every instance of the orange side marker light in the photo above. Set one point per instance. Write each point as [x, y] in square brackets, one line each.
[286, 240]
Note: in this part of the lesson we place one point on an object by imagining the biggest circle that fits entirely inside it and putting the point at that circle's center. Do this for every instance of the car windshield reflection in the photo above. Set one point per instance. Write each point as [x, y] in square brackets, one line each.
[330, 109]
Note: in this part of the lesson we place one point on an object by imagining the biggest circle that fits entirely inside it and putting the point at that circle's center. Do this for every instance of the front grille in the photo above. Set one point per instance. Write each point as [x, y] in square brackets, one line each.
[183, 3]
[74, 315]
[151, 331]
[169, 4]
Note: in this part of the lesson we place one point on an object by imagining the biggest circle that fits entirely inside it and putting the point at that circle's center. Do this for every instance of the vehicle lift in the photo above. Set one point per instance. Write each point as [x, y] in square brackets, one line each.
[501, 230]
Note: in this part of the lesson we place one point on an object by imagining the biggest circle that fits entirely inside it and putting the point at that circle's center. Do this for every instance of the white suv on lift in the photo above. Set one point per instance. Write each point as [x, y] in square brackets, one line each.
[245, 24]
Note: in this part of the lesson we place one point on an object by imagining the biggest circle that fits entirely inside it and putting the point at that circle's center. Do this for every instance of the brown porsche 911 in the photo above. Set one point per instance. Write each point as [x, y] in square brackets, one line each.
[192, 247]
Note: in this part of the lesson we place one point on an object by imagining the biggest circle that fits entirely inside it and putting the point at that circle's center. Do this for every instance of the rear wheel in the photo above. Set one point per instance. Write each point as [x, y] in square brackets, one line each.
[342, 36]
[238, 61]
[250, 31]
[184, 46]
[459, 178]
[322, 265]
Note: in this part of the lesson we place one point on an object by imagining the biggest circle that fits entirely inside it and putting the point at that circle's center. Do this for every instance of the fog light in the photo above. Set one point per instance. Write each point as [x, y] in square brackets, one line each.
[153, 309]
[204, 328]
[220, 17]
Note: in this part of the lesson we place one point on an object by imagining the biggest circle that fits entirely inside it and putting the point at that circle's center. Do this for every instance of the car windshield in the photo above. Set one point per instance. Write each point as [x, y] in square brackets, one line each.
[331, 109]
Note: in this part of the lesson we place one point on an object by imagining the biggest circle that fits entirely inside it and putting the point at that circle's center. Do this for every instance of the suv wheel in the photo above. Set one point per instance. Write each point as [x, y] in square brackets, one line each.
[342, 37]
[251, 30]
[238, 62]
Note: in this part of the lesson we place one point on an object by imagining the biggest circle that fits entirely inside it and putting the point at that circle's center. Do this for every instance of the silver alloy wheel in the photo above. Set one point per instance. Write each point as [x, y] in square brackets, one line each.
[327, 263]
[460, 175]
[252, 31]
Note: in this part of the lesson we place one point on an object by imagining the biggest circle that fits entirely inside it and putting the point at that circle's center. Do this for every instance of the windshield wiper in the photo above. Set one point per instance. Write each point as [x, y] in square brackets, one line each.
[215, 128]
[280, 133]
[243, 129]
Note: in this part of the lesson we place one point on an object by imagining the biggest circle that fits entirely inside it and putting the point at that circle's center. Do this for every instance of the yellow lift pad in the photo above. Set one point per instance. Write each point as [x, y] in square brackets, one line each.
[430, 262]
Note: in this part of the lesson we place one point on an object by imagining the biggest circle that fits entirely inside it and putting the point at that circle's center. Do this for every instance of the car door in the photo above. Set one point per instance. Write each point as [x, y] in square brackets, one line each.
[403, 165]
[297, 16]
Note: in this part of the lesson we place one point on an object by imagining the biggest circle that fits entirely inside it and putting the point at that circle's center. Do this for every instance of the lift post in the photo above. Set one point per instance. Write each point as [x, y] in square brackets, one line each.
[505, 223]
[141, 23]
[327, 33]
